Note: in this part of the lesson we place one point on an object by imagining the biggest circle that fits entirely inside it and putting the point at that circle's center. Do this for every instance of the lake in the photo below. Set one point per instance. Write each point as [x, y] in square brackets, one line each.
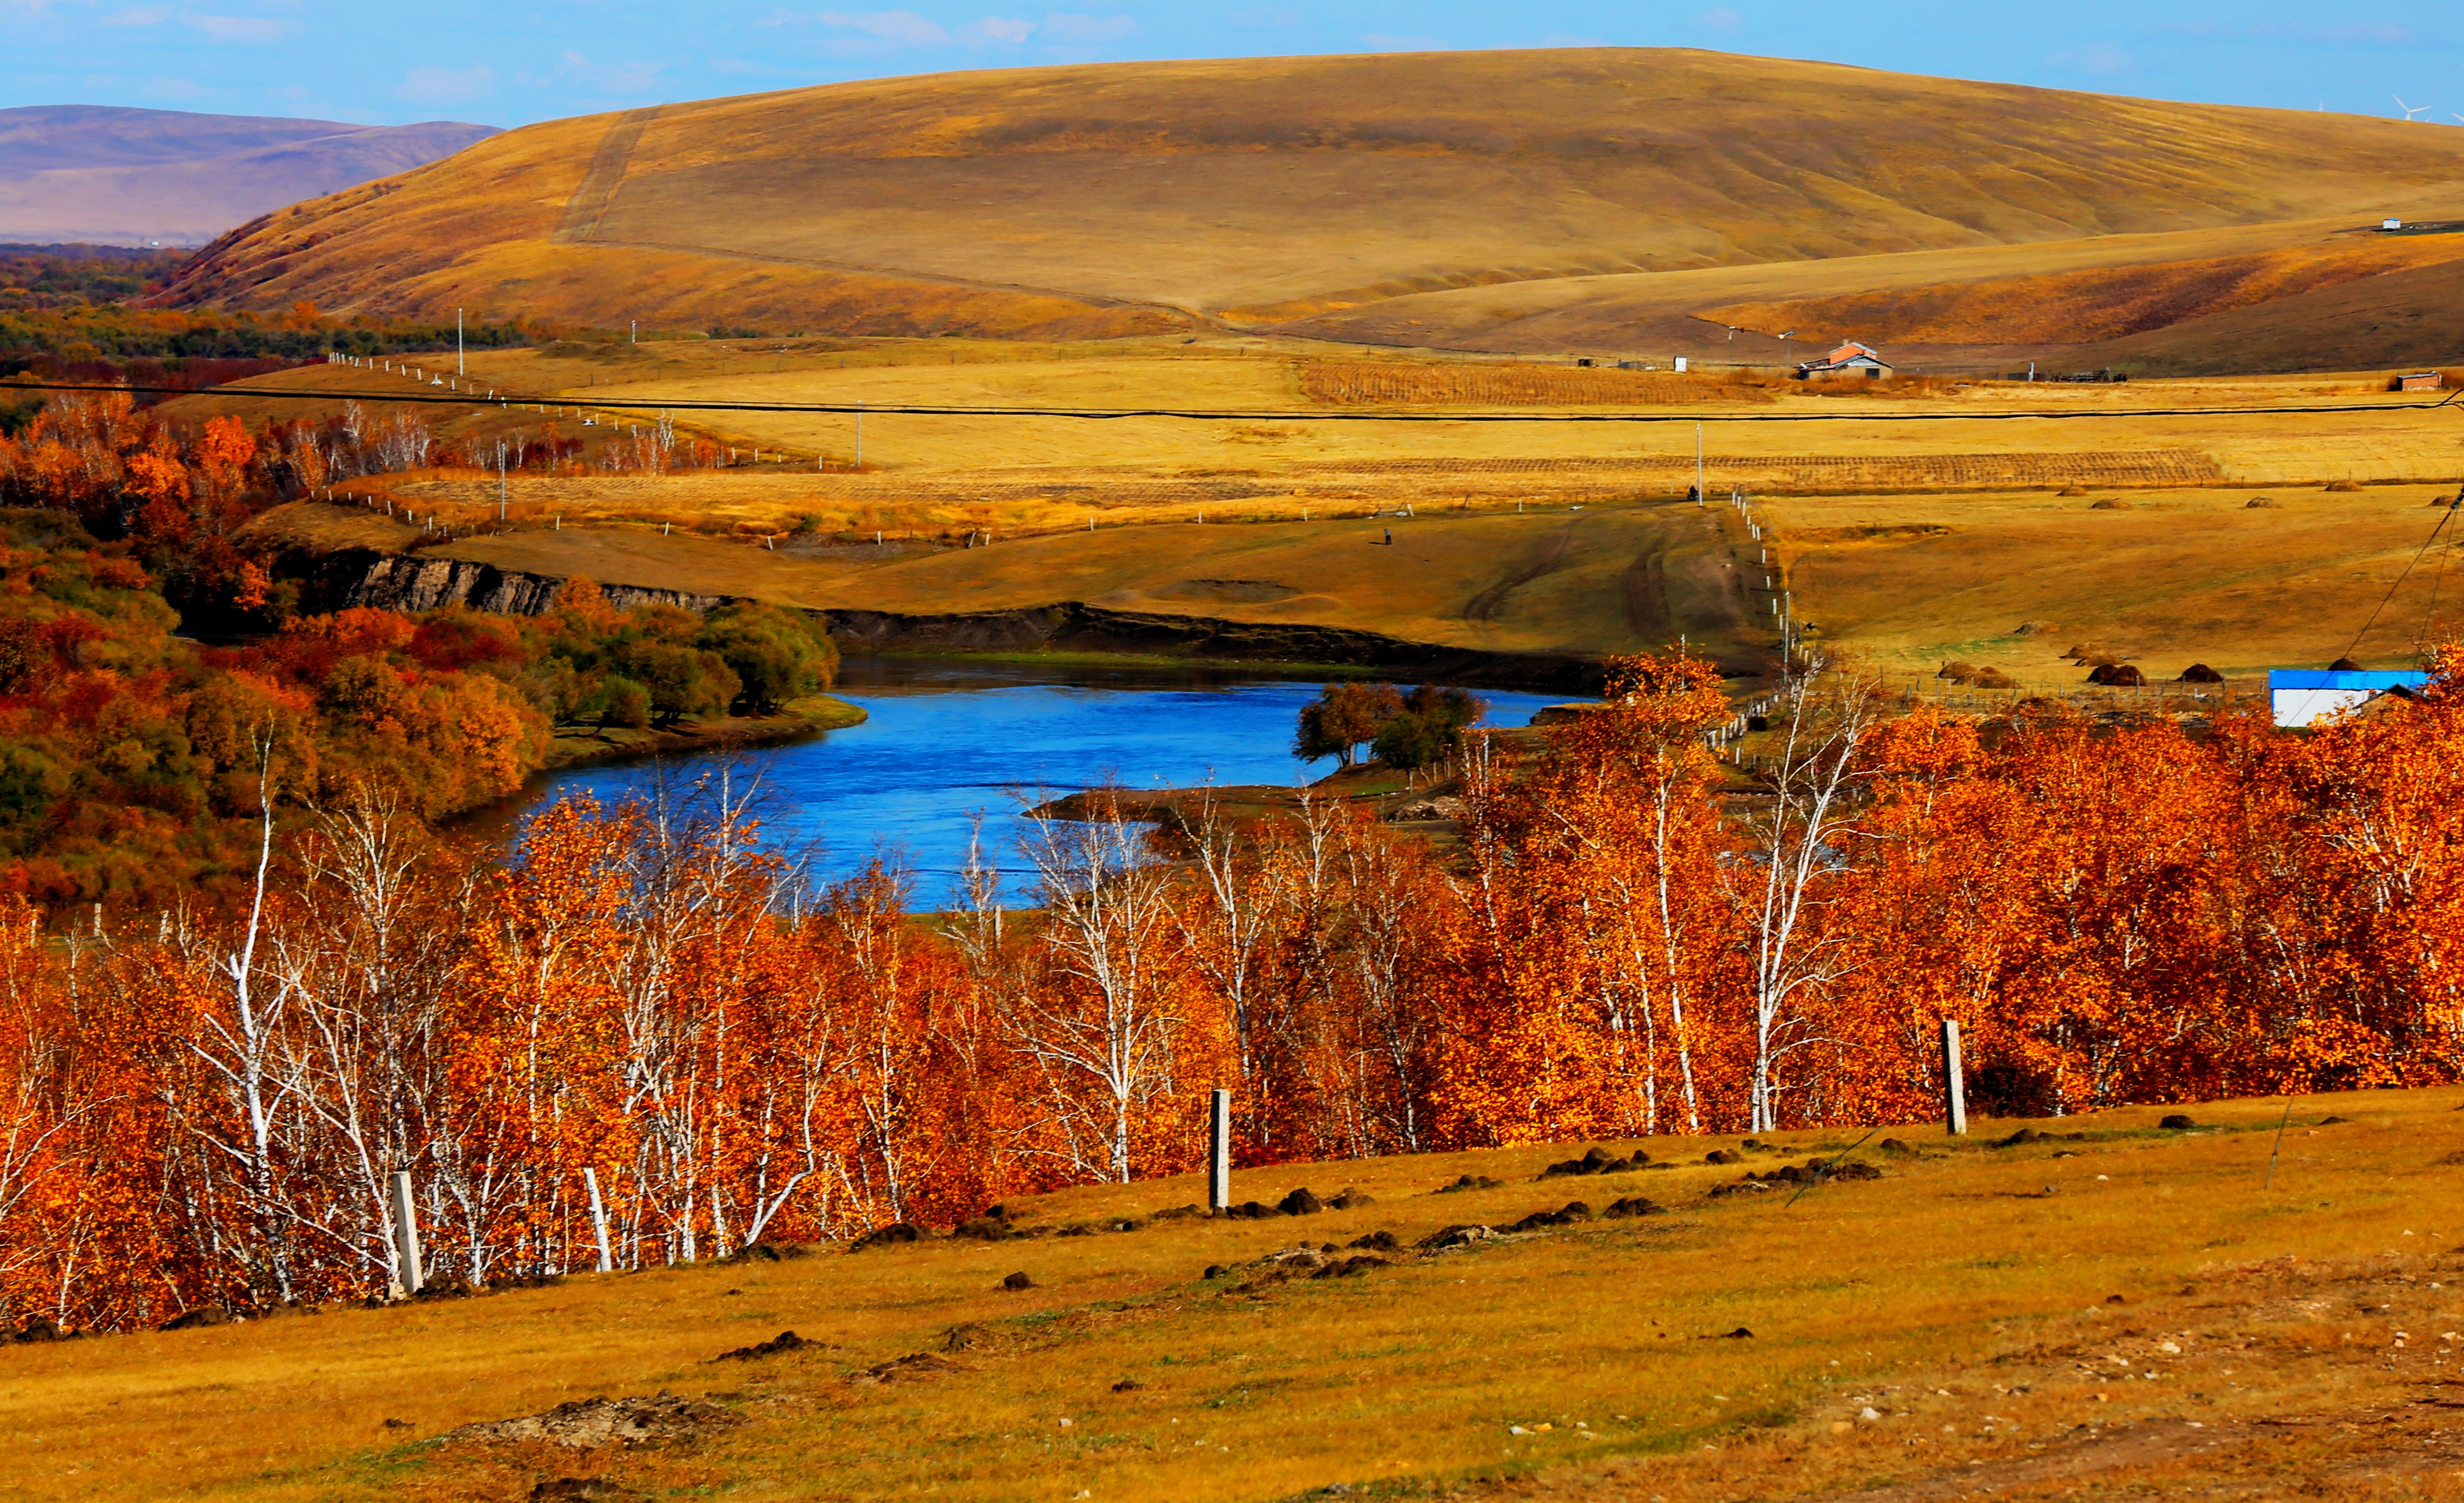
[947, 743]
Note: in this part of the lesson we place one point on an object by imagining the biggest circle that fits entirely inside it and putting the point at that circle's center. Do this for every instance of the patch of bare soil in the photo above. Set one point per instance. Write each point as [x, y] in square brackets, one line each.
[2286, 1379]
[590, 1423]
[913, 1367]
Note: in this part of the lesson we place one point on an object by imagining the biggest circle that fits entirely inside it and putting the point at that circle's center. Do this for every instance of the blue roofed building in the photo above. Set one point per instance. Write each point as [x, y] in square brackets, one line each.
[2303, 697]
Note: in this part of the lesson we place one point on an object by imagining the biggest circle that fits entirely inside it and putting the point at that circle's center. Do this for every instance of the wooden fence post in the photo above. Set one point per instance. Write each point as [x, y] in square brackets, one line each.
[1219, 1156]
[406, 1236]
[599, 1220]
[1954, 1087]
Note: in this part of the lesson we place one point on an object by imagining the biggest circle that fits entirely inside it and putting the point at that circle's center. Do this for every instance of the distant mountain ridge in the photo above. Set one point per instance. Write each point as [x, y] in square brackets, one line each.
[111, 176]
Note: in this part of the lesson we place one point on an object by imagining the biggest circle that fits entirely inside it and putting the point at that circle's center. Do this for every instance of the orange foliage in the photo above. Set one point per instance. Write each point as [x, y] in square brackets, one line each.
[647, 1008]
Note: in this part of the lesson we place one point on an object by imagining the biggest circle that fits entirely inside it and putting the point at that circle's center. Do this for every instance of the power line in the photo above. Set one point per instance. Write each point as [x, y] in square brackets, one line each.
[1229, 414]
[2444, 517]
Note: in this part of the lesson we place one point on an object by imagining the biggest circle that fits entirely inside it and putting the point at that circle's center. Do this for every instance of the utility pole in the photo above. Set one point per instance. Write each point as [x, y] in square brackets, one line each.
[1697, 464]
[459, 369]
[406, 1236]
[1218, 1156]
[634, 331]
[859, 432]
[1954, 1086]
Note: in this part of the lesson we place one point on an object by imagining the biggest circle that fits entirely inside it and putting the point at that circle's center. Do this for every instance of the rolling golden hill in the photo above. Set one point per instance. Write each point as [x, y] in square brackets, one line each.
[1433, 199]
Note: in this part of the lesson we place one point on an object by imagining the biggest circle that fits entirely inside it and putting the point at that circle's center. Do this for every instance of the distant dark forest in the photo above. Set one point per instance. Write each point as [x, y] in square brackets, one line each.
[71, 313]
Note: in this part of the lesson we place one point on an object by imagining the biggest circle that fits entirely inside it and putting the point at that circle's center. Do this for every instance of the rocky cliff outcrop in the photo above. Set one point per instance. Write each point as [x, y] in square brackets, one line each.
[408, 583]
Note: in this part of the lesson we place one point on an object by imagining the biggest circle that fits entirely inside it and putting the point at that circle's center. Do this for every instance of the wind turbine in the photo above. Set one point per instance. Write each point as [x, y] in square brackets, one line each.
[2409, 110]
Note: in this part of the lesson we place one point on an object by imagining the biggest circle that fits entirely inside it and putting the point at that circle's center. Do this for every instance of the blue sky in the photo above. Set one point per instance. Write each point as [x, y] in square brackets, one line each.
[509, 63]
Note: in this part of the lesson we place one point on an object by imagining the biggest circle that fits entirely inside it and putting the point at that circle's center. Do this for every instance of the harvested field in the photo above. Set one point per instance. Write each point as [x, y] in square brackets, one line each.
[1401, 384]
[912, 506]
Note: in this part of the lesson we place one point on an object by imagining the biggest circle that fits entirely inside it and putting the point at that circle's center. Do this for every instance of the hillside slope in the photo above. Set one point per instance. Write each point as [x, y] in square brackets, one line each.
[1121, 197]
[126, 177]
[2090, 1307]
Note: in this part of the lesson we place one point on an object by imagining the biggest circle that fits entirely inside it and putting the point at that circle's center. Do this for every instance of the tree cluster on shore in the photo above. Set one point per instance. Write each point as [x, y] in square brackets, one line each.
[203, 1105]
[129, 754]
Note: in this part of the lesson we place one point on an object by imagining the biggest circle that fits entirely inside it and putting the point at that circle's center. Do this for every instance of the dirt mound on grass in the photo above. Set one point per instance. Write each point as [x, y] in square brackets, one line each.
[585, 1489]
[1598, 1161]
[590, 1424]
[777, 1345]
[913, 1367]
[1570, 1214]
[898, 1233]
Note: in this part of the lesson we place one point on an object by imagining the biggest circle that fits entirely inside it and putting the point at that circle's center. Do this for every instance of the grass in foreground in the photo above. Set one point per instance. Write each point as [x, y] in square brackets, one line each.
[2128, 1308]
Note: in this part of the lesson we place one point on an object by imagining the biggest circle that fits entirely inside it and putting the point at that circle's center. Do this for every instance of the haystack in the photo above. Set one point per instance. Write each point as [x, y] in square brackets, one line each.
[2118, 675]
[2200, 674]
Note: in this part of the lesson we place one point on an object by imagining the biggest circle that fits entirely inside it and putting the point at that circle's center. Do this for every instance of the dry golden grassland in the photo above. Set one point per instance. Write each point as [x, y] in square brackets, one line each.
[2119, 1314]
[1431, 199]
[1908, 543]
[1601, 580]
[1394, 383]
[2164, 579]
[1812, 434]
[2082, 307]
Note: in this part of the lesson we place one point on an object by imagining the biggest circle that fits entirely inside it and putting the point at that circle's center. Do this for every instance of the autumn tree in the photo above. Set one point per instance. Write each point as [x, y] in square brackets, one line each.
[1342, 719]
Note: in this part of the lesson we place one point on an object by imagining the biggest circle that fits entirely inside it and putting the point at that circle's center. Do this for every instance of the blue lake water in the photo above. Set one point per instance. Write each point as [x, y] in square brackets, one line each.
[948, 744]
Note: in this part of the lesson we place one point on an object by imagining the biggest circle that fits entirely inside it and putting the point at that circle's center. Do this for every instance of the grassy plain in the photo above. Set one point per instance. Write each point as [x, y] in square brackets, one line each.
[1915, 525]
[1966, 436]
[2178, 577]
[2124, 1314]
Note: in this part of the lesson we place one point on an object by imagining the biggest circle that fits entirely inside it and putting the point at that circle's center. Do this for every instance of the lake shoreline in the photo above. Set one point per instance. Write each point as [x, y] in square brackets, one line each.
[799, 718]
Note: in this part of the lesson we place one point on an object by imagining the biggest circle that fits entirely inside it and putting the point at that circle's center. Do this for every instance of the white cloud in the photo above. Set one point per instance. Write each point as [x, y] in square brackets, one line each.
[2364, 33]
[2103, 59]
[239, 27]
[886, 31]
[139, 15]
[1082, 29]
[176, 89]
[1269, 19]
[614, 78]
[1719, 18]
[997, 28]
[897, 27]
[432, 86]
